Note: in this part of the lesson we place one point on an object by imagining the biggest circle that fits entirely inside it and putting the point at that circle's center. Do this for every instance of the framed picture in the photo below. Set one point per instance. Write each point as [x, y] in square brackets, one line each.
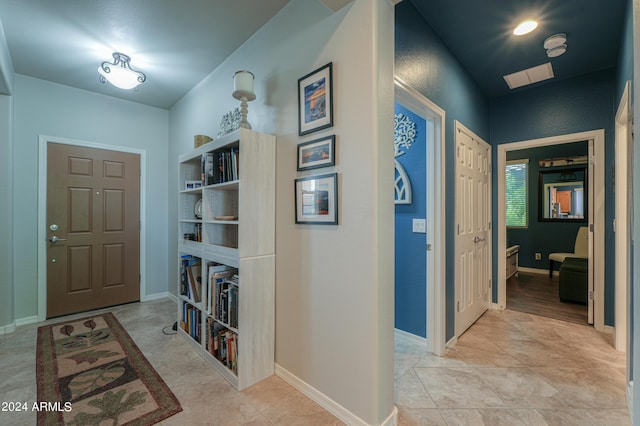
[315, 100]
[317, 153]
[317, 199]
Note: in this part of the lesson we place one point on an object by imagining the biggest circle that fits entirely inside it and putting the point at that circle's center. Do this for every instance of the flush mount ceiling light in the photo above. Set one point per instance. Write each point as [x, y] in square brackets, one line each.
[525, 27]
[555, 45]
[119, 73]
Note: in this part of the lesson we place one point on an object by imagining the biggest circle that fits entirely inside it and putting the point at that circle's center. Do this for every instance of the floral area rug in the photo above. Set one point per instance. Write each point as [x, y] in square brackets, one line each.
[89, 372]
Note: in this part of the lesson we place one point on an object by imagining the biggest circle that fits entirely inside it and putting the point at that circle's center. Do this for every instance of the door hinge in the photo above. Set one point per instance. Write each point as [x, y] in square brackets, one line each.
[458, 306]
[489, 226]
[428, 247]
[591, 227]
[458, 229]
[592, 160]
[590, 295]
[489, 282]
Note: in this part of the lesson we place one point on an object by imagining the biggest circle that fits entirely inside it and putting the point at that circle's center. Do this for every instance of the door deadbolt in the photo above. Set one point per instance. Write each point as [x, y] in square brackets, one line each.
[53, 227]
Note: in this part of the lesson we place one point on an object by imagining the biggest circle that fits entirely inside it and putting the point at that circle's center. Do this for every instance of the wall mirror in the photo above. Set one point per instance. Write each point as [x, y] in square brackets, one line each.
[563, 195]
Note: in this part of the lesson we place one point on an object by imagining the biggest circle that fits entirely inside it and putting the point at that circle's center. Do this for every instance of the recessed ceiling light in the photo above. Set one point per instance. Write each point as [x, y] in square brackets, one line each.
[525, 27]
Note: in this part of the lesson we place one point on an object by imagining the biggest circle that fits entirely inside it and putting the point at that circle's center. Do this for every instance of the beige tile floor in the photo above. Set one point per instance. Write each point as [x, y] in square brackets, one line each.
[509, 368]
[512, 368]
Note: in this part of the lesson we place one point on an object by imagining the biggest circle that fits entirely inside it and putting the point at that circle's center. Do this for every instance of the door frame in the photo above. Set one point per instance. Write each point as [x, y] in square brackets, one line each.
[461, 128]
[622, 221]
[596, 198]
[436, 218]
[42, 211]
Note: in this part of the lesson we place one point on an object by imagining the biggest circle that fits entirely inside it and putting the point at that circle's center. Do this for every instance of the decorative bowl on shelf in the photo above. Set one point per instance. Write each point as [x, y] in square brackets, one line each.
[199, 140]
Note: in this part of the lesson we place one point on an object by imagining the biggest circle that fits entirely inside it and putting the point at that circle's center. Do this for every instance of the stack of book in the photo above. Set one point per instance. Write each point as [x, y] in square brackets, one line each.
[217, 284]
[191, 321]
[222, 343]
[191, 278]
[220, 166]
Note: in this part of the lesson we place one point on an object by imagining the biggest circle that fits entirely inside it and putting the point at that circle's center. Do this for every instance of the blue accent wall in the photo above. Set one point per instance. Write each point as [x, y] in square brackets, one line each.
[424, 63]
[410, 247]
[543, 237]
[625, 57]
[568, 106]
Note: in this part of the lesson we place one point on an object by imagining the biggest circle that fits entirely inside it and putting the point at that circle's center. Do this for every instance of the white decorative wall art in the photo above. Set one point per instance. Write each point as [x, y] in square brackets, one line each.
[404, 133]
[402, 185]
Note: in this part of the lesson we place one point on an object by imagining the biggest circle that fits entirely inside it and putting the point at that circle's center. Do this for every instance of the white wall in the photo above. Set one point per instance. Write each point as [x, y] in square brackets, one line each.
[334, 284]
[7, 316]
[45, 108]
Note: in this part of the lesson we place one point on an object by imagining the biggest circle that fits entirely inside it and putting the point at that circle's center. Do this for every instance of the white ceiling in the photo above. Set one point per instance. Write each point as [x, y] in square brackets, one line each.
[176, 43]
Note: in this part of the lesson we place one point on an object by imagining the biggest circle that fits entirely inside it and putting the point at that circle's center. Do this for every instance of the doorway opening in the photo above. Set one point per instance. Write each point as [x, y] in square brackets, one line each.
[546, 222]
[435, 212]
[595, 196]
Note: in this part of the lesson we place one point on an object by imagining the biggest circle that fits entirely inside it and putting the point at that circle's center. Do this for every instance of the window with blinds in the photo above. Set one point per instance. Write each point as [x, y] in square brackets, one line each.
[517, 193]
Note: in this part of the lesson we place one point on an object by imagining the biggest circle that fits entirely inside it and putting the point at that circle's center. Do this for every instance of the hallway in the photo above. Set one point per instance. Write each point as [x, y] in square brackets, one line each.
[513, 368]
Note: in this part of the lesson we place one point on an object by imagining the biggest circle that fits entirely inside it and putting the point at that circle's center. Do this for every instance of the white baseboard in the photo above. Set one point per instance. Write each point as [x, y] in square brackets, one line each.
[630, 398]
[327, 403]
[452, 342]
[609, 329]
[10, 328]
[392, 420]
[158, 296]
[414, 338]
[6, 329]
[27, 320]
[536, 271]
[496, 307]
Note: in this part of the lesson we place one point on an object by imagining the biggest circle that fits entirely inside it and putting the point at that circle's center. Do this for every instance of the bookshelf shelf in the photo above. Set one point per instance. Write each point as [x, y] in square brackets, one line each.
[226, 284]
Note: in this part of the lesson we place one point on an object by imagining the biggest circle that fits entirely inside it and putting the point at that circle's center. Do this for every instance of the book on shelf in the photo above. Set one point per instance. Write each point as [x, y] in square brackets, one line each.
[207, 168]
[185, 262]
[226, 299]
[222, 343]
[190, 277]
[226, 164]
[216, 275]
[191, 321]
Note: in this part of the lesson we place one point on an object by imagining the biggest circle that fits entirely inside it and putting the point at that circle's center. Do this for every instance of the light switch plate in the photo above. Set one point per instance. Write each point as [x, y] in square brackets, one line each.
[420, 226]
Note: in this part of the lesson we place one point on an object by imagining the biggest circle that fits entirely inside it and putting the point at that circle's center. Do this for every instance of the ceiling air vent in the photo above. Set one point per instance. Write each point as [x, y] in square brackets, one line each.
[529, 76]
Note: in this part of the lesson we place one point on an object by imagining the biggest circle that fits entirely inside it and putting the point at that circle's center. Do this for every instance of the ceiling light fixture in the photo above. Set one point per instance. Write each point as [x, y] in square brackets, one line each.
[525, 27]
[119, 73]
[555, 45]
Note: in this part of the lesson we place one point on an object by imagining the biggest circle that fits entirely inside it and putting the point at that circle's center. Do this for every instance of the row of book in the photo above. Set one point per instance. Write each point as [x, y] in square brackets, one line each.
[222, 343]
[225, 294]
[191, 320]
[219, 277]
[191, 278]
[220, 166]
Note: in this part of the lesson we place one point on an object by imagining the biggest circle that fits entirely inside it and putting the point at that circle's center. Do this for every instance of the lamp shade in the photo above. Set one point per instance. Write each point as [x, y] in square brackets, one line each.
[122, 78]
[120, 74]
[243, 81]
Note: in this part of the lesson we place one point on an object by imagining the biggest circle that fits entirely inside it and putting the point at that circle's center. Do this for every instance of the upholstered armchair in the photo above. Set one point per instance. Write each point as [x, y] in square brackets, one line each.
[581, 249]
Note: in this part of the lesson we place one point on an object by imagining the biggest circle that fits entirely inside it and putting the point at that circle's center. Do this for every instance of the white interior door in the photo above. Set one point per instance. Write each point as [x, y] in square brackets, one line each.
[473, 228]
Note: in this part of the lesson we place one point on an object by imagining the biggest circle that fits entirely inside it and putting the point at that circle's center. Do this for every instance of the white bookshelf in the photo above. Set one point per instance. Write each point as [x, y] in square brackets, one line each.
[237, 230]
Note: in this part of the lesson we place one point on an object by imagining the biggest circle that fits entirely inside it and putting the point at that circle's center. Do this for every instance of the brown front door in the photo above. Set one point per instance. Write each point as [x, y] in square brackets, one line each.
[93, 210]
